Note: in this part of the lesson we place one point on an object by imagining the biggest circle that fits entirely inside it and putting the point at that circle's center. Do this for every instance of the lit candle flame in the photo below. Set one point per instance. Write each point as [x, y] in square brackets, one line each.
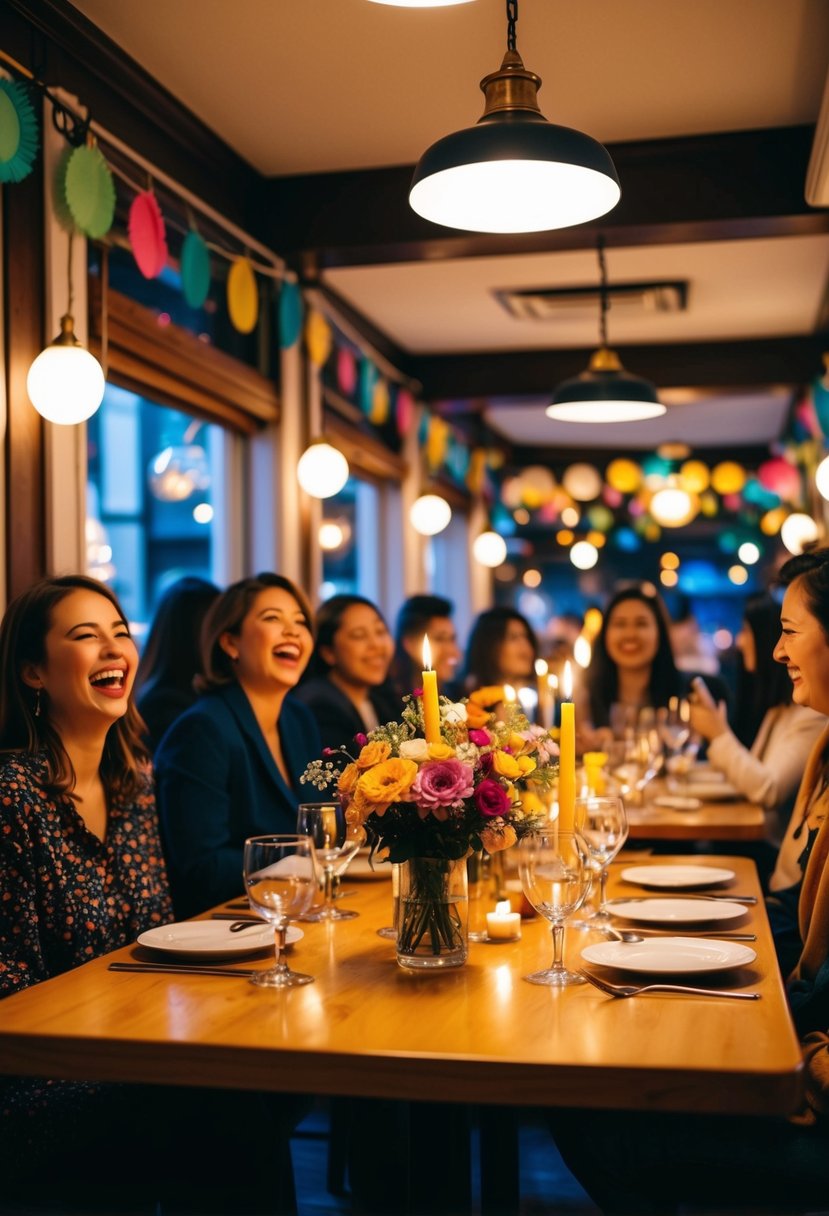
[503, 907]
[567, 681]
[509, 694]
[427, 653]
[540, 667]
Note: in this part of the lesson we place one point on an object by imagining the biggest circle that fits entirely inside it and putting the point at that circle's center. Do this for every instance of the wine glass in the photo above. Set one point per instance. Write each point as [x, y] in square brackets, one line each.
[674, 724]
[280, 880]
[336, 843]
[603, 825]
[556, 878]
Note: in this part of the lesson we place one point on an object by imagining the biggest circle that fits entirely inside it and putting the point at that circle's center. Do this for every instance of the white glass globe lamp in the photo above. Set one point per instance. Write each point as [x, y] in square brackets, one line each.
[322, 470]
[489, 549]
[65, 382]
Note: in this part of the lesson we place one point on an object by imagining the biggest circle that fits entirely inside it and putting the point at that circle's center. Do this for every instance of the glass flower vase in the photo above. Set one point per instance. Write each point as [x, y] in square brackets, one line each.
[431, 913]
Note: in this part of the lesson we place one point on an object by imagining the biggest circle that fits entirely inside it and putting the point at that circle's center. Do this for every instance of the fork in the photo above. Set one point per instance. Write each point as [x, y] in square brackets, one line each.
[622, 990]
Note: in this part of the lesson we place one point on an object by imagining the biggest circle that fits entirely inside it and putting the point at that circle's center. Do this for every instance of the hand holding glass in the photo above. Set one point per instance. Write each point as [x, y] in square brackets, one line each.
[280, 881]
[336, 843]
[603, 826]
[556, 878]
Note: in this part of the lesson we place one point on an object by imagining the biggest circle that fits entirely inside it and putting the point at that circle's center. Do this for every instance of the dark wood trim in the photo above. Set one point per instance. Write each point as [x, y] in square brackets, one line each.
[171, 366]
[747, 364]
[729, 186]
[364, 454]
[24, 312]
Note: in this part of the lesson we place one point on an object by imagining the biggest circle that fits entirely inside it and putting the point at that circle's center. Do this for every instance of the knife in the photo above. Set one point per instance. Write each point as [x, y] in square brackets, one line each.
[640, 899]
[182, 969]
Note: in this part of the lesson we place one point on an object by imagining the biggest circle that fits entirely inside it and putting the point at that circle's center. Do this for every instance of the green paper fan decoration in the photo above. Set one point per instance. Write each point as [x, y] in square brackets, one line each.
[18, 132]
[195, 269]
[90, 192]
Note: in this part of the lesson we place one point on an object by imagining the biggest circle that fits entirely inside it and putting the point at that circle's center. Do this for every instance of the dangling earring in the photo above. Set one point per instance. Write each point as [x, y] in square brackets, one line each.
[37, 704]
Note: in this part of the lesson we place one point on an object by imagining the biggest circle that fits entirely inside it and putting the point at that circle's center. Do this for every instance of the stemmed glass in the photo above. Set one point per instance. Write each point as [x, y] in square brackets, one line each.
[280, 880]
[336, 843]
[674, 723]
[603, 825]
[556, 878]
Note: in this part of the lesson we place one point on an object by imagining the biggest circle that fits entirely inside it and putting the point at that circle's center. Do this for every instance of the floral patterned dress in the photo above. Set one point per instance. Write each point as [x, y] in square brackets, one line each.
[66, 897]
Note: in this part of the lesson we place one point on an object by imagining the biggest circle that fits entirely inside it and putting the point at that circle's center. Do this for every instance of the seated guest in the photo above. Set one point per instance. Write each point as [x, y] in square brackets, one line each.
[502, 649]
[229, 766]
[430, 616]
[346, 685]
[172, 657]
[766, 753]
[632, 664]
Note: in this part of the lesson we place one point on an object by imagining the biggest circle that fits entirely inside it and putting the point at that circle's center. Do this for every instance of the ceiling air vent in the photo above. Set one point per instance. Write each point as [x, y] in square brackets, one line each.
[558, 303]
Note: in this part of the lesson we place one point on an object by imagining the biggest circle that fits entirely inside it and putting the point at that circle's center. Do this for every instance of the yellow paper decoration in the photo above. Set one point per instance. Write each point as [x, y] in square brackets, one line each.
[728, 477]
[708, 504]
[772, 521]
[242, 296]
[624, 476]
[436, 442]
[318, 338]
[694, 476]
[380, 403]
[476, 473]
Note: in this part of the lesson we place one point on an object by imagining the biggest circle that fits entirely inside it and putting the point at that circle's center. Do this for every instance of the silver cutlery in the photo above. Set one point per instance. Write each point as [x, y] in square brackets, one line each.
[623, 990]
[629, 935]
[239, 920]
[641, 899]
[182, 969]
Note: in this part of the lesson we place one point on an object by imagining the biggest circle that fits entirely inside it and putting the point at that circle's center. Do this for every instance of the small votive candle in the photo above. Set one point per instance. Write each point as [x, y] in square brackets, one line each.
[503, 924]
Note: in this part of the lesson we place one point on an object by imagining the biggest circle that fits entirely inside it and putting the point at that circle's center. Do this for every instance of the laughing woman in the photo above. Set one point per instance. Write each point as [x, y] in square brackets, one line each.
[229, 767]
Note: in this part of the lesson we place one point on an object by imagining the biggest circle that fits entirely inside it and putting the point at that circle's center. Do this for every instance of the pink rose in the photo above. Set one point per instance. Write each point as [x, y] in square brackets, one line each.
[492, 799]
[442, 783]
[481, 738]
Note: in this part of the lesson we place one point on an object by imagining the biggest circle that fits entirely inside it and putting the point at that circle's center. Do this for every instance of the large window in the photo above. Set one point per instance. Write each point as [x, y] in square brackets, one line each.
[155, 477]
[349, 567]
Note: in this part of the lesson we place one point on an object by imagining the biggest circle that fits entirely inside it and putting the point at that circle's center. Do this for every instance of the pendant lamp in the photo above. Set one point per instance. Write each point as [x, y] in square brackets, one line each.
[514, 171]
[605, 392]
[65, 382]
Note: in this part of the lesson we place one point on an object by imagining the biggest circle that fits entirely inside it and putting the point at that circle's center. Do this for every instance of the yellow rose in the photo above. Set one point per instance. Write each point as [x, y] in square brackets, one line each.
[526, 764]
[386, 782]
[441, 751]
[348, 779]
[531, 804]
[505, 765]
[517, 742]
[476, 717]
[490, 694]
[498, 836]
[373, 753]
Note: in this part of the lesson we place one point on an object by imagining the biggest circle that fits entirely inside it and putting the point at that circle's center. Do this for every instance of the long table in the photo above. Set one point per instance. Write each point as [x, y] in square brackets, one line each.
[736, 820]
[366, 1027]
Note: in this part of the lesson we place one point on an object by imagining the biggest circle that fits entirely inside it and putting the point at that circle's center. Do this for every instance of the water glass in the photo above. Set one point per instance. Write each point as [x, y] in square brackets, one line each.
[280, 880]
[336, 842]
[555, 875]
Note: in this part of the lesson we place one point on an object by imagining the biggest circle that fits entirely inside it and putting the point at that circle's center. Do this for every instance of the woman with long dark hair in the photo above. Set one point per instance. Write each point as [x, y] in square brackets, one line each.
[502, 649]
[430, 616]
[765, 754]
[346, 685]
[229, 767]
[171, 657]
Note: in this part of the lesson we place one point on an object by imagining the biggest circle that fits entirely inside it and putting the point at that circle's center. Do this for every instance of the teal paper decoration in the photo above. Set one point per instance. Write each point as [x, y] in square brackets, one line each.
[195, 269]
[18, 132]
[289, 315]
[365, 388]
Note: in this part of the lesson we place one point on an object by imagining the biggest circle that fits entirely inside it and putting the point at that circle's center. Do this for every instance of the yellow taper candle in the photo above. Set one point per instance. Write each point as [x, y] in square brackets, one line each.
[567, 756]
[431, 705]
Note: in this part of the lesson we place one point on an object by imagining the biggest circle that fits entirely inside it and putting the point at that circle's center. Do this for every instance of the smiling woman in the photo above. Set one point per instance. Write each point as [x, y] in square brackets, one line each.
[229, 766]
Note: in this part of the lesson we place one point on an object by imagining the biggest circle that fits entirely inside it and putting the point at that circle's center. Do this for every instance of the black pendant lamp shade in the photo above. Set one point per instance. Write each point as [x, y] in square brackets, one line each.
[514, 171]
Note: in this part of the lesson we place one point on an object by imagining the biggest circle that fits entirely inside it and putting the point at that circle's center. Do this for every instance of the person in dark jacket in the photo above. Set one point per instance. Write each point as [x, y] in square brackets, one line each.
[229, 767]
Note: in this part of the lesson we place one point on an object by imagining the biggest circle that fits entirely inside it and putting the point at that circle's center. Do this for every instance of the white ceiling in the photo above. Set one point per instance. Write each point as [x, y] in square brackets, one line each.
[305, 86]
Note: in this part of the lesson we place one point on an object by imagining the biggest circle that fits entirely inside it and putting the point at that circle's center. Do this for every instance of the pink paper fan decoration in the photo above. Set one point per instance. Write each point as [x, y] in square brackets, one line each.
[147, 236]
[346, 371]
[404, 411]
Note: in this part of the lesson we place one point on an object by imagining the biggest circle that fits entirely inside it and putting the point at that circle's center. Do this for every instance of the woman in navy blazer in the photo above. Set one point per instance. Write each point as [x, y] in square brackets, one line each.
[229, 767]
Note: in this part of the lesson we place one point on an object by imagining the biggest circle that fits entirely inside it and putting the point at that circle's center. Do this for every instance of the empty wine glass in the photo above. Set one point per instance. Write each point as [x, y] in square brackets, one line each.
[280, 880]
[336, 843]
[602, 823]
[674, 723]
[556, 878]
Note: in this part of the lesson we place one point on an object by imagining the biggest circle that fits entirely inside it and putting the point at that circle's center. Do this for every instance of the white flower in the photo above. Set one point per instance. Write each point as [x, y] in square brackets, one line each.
[453, 712]
[468, 753]
[415, 749]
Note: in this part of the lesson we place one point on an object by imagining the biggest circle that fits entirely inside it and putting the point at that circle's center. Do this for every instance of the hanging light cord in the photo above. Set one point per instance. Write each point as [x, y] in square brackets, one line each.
[604, 303]
[70, 292]
[512, 19]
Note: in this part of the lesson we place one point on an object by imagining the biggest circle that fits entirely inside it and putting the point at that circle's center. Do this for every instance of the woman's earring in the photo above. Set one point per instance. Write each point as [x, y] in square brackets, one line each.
[37, 704]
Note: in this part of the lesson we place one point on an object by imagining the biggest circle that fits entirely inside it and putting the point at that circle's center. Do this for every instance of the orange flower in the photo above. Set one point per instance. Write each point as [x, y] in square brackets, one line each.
[526, 765]
[348, 779]
[489, 695]
[373, 753]
[497, 836]
[386, 782]
[476, 717]
[441, 751]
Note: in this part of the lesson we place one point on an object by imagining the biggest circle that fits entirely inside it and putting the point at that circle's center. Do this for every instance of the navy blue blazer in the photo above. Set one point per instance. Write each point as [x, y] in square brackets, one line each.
[217, 783]
[336, 717]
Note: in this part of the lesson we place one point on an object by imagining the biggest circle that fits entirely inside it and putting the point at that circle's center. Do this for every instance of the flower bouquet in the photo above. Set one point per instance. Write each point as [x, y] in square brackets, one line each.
[426, 805]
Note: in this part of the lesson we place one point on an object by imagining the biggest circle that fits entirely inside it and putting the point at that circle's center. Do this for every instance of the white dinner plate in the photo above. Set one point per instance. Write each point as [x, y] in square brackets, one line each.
[673, 802]
[711, 791]
[676, 876]
[360, 867]
[670, 955]
[212, 938]
[676, 911]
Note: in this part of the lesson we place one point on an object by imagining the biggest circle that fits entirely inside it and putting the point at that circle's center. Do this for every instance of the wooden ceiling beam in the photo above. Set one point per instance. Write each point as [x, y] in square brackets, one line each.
[729, 186]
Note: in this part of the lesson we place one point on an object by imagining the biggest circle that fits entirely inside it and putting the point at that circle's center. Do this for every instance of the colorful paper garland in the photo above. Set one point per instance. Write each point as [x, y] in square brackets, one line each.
[148, 238]
[242, 296]
[289, 315]
[89, 192]
[318, 338]
[195, 269]
[18, 132]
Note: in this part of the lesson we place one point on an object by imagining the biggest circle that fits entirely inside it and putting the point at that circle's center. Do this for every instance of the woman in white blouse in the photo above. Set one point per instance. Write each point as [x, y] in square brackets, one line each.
[765, 755]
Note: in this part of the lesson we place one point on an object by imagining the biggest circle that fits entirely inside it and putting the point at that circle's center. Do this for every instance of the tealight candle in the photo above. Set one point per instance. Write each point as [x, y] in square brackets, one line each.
[503, 924]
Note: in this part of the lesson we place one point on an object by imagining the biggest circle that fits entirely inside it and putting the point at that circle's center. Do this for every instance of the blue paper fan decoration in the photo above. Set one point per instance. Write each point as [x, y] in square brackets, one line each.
[18, 132]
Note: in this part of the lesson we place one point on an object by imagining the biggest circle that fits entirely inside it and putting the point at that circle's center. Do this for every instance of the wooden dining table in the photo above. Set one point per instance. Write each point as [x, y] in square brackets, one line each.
[732, 819]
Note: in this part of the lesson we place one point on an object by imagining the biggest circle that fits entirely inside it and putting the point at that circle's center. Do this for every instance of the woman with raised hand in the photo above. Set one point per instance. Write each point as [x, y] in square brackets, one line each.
[346, 686]
[229, 767]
